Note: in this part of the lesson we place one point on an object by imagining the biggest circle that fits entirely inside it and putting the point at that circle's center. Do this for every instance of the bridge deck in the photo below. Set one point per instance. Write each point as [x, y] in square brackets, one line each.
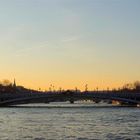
[18, 98]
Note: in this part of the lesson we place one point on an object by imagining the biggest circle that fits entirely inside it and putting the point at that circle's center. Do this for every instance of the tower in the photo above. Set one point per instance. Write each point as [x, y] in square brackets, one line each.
[14, 85]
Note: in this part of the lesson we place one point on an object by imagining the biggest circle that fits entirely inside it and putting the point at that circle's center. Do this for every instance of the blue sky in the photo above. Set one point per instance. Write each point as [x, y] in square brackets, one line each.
[70, 42]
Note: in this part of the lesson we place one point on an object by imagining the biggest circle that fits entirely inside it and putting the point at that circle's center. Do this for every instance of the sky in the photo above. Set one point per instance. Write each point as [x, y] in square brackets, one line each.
[70, 43]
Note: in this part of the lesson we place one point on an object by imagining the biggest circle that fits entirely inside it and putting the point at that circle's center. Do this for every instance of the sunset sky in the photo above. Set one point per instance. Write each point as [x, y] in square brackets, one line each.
[69, 43]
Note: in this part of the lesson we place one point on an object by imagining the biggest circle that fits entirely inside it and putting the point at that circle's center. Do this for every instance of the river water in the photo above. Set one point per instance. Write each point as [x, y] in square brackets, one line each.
[70, 122]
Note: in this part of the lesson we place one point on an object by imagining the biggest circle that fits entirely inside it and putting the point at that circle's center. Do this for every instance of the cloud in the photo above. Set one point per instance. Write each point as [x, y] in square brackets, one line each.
[71, 39]
[31, 49]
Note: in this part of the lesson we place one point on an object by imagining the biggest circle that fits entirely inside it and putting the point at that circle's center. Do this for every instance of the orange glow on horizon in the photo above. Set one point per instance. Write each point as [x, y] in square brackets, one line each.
[32, 84]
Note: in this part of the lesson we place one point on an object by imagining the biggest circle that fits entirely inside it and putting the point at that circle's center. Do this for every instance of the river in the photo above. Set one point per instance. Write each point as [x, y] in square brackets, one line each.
[70, 122]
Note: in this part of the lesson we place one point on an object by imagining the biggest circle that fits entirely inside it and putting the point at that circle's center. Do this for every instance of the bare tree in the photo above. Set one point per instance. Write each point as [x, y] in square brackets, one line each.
[137, 85]
[6, 82]
[128, 86]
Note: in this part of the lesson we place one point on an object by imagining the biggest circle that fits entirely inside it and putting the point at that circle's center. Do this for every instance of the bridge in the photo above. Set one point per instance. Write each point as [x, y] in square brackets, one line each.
[11, 99]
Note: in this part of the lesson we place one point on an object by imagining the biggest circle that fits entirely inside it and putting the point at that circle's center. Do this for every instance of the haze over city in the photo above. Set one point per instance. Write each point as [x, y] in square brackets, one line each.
[70, 43]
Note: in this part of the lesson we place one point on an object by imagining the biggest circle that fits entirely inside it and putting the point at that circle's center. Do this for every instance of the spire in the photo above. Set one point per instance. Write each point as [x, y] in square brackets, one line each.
[14, 85]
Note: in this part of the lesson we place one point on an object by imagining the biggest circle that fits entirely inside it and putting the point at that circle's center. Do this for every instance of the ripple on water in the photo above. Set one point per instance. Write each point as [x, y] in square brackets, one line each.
[69, 123]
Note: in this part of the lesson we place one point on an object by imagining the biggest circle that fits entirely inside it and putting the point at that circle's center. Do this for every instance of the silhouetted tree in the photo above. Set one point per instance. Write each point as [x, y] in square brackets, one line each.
[6, 82]
[132, 87]
[137, 85]
[128, 86]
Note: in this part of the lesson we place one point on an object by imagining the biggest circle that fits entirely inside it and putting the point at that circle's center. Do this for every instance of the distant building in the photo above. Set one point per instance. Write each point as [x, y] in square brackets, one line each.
[14, 84]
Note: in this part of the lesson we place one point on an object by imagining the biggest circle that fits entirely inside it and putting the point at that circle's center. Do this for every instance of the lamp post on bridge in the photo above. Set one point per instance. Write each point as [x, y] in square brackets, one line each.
[86, 88]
